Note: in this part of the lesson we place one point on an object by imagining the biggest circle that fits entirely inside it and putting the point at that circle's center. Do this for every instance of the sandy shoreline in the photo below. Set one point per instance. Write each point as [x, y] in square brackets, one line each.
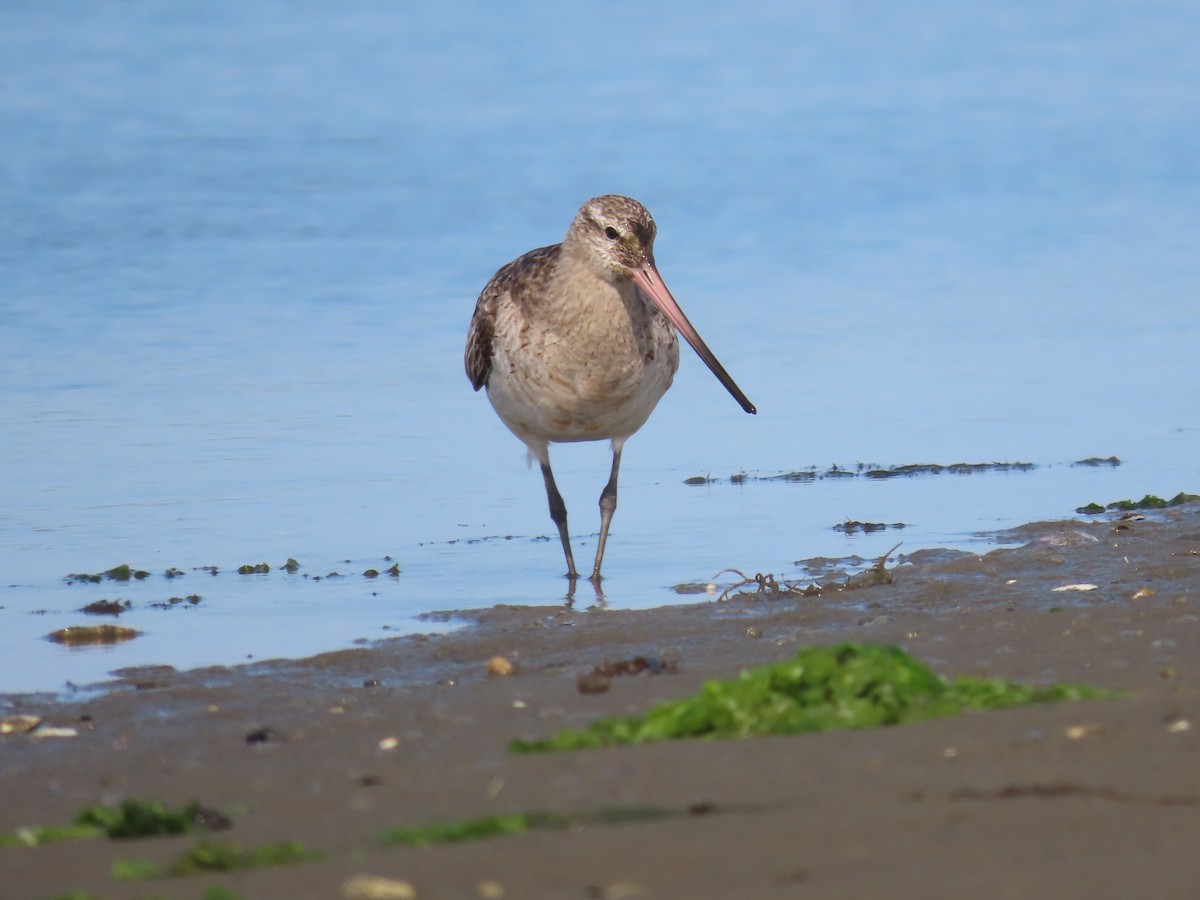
[1095, 799]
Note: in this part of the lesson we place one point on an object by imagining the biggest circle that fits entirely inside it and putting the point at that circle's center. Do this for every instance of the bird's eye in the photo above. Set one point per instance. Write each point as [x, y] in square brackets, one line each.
[611, 233]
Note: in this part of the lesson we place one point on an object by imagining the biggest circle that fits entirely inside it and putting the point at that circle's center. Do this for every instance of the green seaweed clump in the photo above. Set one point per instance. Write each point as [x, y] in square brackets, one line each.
[38, 835]
[219, 892]
[466, 830]
[820, 689]
[107, 607]
[132, 819]
[149, 818]
[518, 823]
[1150, 501]
[254, 569]
[1096, 461]
[123, 572]
[207, 856]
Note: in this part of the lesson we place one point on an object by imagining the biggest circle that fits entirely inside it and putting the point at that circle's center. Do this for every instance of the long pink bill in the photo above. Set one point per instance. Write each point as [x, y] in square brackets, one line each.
[647, 278]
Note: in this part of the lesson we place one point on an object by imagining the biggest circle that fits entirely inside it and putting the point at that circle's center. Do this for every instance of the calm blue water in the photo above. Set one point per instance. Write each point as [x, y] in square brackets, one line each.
[240, 245]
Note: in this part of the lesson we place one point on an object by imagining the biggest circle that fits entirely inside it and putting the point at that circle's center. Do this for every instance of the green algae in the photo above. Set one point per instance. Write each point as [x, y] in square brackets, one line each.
[134, 870]
[466, 830]
[217, 892]
[207, 857]
[1150, 501]
[123, 572]
[149, 818]
[172, 602]
[453, 832]
[1096, 461]
[107, 607]
[39, 835]
[132, 819]
[820, 689]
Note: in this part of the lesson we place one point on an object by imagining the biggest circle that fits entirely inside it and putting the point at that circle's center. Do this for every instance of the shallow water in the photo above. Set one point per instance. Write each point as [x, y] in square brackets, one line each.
[241, 246]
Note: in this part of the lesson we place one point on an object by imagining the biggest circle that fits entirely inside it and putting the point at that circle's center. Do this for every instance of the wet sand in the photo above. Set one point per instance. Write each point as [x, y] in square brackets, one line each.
[1092, 799]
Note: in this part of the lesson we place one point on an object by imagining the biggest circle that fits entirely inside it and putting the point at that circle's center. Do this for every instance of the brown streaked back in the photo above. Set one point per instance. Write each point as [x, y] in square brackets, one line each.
[523, 281]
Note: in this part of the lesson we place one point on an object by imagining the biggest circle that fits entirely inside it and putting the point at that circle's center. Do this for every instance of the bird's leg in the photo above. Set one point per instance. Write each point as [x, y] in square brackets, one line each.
[608, 505]
[558, 512]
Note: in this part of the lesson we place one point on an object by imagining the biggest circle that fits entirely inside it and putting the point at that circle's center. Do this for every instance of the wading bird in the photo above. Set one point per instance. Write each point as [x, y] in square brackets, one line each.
[576, 342]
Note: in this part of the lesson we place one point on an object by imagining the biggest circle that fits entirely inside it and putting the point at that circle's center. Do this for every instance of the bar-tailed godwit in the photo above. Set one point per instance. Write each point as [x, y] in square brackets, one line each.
[576, 342]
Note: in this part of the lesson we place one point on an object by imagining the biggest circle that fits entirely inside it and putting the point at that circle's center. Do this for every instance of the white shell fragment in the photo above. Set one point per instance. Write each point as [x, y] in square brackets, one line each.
[18, 724]
[52, 732]
[376, 887]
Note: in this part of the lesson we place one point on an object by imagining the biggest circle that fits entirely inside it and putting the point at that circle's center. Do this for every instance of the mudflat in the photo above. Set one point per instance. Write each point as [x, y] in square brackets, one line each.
[1098, 798]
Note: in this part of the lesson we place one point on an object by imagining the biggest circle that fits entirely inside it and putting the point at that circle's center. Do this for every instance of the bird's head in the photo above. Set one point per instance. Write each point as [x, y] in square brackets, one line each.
[616, 233]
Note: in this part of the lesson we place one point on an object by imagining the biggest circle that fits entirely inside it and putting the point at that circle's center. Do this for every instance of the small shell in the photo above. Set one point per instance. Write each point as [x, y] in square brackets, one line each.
[499, 666]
